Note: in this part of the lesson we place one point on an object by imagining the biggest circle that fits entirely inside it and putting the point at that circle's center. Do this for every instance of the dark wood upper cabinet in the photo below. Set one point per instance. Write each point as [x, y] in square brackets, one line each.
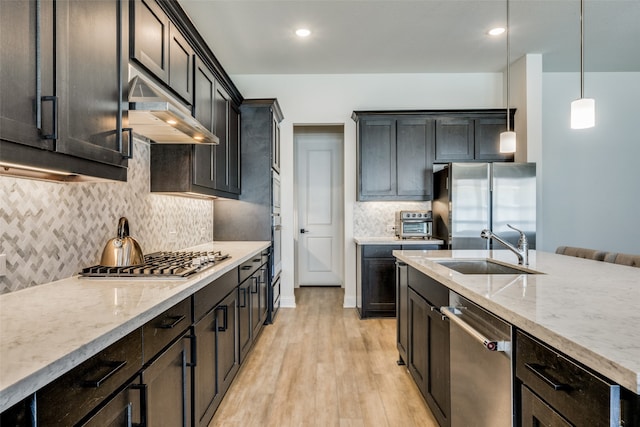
[181, 60]
[395, 158]
[150, 38]
[158, 46]
[487, 139]
[414, 157]
[22, 119]
[221, 151]
[472, 138]
[62, 86]
[454, 139]
[377, 159]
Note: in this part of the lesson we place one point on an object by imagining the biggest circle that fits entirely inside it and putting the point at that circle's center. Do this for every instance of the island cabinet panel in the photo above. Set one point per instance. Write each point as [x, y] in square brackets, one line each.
[428, 343]
[402, 311]
[554, 387]
[61, 96]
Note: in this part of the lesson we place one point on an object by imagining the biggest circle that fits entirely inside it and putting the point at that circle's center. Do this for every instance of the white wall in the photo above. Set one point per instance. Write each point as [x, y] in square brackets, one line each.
[591, 177]
[330, 99]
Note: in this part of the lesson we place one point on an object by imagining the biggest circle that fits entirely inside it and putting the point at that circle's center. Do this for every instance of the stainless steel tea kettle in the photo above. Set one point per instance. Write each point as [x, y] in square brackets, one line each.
[122, 251]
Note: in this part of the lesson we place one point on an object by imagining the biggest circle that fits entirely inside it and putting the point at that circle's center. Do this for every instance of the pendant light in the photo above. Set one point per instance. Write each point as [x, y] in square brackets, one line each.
[508, 137]
[583, 114]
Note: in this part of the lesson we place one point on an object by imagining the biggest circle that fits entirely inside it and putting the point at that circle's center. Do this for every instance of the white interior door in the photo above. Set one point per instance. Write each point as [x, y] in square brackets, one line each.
[320, 212]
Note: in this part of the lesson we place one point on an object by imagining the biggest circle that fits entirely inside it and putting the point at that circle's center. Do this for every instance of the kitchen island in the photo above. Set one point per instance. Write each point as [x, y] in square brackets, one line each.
[47, 330]
[586, 309]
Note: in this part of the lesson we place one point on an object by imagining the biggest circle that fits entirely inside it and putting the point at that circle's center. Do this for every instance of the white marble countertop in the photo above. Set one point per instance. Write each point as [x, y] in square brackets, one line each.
[393, 240]
[587, 309]
[47, 330]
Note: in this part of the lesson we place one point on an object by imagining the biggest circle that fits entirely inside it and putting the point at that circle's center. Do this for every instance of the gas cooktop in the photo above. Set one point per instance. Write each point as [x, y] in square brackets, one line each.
[161, 264]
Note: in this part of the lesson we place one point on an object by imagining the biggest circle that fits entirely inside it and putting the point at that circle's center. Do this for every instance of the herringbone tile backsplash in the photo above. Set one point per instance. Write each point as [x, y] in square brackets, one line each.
[373, 219]
[49, 231]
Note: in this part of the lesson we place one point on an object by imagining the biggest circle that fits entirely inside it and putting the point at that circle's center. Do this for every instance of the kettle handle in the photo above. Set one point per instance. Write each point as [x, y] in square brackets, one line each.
[123, 228]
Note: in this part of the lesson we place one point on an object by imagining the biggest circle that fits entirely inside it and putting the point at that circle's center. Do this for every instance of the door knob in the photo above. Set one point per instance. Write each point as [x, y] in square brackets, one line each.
[302, 230]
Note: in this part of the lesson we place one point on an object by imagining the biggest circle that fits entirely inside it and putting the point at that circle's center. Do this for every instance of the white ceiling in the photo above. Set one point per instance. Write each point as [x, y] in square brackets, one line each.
[414, 36]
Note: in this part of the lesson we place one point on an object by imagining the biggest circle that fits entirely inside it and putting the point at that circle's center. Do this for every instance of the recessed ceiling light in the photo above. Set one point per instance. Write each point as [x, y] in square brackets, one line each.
[303, 32]
[496, 31]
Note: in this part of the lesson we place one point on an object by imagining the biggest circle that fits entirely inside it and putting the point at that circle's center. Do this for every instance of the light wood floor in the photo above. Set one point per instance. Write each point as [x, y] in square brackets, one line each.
[320, 365]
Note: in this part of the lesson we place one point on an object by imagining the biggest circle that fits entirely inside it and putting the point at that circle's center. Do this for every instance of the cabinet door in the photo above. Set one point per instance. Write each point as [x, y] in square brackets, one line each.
[487, 139]
[228, 358]
[22, 112]
[275, 143]
[207, 393]
[378, 287]
[536, 412]
[90, 68]
[418, 351]
[244, 317]
[122, 410]
[150, 38]
[181, 60]
[439, 388]
[234, 149]
[204, 92]
[168, 383]
[203, 108]
[377, 159]
[221, 151]
[255, 304]
[402, 312]
[264, 292]
[454, 139]
[414, 164]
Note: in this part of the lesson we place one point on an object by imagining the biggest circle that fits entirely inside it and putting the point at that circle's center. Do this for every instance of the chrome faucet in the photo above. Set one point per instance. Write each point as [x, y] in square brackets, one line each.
[522, 251]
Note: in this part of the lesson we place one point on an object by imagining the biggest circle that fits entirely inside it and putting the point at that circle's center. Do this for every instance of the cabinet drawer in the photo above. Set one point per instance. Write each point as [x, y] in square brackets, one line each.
[429, 247]
[579, 395]
[379, 251]
[159, 332]
[249, 267]
[72, 396]
[208, 297]
[431, 290]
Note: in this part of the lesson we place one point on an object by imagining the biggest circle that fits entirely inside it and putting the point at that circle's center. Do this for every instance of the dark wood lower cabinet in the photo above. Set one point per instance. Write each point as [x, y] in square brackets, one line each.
[244, 318]
[125, 409]
[216, 358]
[168, 383]
[535, 412]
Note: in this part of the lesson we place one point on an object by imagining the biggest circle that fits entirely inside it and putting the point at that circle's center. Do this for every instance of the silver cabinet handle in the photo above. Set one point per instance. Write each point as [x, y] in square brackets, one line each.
[489, 344]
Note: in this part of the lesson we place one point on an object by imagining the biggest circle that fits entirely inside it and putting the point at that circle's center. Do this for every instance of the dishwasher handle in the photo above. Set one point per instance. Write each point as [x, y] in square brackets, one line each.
[489, 344]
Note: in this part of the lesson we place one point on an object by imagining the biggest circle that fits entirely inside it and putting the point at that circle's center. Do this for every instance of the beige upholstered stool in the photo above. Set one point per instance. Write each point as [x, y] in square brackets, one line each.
[581, 252]
[624, 259]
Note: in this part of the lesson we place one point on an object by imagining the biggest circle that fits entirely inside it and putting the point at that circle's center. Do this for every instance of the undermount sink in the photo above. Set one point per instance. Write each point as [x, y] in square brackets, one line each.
[482, 266]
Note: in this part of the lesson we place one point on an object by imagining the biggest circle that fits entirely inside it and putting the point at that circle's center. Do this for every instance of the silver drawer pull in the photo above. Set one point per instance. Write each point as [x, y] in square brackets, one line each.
[489, 344]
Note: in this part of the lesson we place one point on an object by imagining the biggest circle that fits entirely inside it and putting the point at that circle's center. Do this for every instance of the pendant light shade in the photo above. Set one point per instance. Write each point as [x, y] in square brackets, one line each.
[508, 137]
[508, 142]
[583, 113]
[583, 110]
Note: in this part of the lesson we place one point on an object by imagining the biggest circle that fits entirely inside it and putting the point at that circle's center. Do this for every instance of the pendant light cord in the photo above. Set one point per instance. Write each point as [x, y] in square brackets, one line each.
[508, 70]
[581, 49]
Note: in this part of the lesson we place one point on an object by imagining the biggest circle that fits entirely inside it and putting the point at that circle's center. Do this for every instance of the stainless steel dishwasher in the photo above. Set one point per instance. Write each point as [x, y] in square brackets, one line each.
[481, 380]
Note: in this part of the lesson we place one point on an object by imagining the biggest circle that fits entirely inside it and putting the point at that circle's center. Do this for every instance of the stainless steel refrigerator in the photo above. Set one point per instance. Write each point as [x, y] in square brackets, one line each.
[469, 197]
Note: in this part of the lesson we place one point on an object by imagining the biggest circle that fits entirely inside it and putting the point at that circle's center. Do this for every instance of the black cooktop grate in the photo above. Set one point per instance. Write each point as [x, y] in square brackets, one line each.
[161, 264]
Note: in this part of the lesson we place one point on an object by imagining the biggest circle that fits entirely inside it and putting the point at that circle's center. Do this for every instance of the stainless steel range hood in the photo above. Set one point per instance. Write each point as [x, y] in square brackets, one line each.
[162, 119]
